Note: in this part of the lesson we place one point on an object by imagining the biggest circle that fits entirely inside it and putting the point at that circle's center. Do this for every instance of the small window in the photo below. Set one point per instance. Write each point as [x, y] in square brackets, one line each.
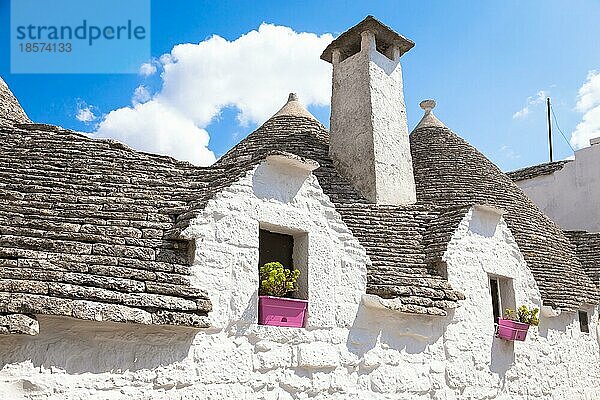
[494, 287]
[503, 296]
[290, 249]
[584, 324]
[275, 247]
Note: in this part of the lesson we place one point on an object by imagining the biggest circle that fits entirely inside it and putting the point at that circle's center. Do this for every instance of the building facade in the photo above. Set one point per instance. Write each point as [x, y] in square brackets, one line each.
[567, 191]
[126, 275]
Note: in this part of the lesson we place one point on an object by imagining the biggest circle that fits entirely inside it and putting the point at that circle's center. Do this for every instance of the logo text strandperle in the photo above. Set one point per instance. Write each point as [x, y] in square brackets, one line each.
[81, 32]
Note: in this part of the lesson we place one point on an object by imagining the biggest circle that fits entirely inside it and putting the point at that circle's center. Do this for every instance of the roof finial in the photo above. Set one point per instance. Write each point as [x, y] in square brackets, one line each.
[429, 120]
[427, 105]
[293, 107]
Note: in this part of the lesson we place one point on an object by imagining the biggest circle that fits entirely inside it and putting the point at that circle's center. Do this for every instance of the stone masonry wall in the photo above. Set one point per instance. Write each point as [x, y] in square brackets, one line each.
[349, 350]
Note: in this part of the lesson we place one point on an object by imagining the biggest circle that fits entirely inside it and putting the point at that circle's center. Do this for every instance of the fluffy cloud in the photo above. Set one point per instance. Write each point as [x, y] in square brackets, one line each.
[85, 113]
[253, 73]
[140, 95]
[157, 128]
[147, 69]
[588, 103]
[531, 101]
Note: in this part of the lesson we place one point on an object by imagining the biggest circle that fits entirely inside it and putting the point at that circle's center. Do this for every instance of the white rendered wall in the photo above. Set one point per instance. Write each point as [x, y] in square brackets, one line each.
[570, 196]
[349, 351]
[556, 360]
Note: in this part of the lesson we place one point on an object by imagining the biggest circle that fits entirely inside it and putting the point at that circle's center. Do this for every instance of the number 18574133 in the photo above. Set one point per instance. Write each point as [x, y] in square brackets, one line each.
[42, 47]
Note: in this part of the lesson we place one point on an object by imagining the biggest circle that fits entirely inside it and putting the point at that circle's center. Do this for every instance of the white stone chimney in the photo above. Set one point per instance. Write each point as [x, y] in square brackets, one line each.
[369, 134]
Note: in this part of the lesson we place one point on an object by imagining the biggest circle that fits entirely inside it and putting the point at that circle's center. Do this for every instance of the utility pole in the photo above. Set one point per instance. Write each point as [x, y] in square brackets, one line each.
[549, 130]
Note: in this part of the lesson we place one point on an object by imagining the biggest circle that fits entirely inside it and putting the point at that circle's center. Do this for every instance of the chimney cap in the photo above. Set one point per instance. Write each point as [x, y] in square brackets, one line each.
[383, 34]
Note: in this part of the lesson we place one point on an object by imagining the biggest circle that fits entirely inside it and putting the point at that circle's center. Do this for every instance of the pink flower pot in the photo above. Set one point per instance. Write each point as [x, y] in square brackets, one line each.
[278, 311]
[512, 330]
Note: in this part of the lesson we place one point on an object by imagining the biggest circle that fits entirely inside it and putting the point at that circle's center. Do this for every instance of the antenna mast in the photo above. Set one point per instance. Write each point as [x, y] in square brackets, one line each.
[549, 130]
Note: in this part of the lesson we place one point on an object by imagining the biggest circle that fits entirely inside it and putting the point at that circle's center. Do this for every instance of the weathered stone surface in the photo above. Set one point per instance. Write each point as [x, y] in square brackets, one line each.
[84, 219]
[10, 109]
[587, 245]
[463, 177]
[148, 300]
[175, 290]
[19, 324]
[537, 170]
[178, 318]
[367, 103]
[109, 312]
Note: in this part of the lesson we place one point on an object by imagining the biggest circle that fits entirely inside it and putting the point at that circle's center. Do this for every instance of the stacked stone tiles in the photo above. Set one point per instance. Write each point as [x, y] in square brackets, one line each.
[83, 230]
[10, 109]
[392, 236]
[395, 239]
[537, 170]
[587, 246]
[92, 229]
[19, 324]
[439, 232]
[449, 172]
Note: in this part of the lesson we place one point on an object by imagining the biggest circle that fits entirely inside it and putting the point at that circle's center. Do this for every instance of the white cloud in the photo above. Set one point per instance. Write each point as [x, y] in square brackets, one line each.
[85, 113]
[532, 101]
[588, 103]
[147, 69]
[522, 113]
[140, 95]
[253, 73]
[589, 94]
[156, 128]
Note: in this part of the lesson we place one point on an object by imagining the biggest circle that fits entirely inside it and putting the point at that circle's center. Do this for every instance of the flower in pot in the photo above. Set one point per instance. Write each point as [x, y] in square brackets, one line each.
[273, 308]
[516, 323]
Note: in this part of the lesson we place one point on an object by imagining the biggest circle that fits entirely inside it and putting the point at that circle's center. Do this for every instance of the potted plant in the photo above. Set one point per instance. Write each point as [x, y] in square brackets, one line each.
[273, 308]
[515, 324]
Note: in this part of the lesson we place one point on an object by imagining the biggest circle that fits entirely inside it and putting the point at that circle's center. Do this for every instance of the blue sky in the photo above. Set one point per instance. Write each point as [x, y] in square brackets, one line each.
[480, 61]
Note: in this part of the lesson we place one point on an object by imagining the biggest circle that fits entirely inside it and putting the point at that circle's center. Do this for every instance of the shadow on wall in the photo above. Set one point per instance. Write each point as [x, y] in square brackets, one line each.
[409, 333]
[558, 324]
[82, 346]
[502, 357]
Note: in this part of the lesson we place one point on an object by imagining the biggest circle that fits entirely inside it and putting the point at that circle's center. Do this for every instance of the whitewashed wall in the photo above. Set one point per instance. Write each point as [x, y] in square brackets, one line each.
[570, 196]
[556, 361]
[349, 351]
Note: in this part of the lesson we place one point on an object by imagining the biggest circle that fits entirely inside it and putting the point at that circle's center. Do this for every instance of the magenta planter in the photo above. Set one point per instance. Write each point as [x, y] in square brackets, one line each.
[512, 330]
[278, 311]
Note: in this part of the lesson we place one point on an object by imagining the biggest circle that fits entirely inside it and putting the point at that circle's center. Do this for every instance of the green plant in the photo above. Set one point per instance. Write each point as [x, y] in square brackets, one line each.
[523, 314]
[275, 280]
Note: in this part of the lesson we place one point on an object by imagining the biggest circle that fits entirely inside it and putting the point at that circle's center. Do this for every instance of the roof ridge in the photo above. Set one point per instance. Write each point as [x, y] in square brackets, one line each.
[113, 143]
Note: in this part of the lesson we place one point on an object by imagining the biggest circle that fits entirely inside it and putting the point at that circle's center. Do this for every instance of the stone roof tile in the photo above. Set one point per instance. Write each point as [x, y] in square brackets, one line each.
[587, 247]
[537, 170]
[83, 229]
[449, 172]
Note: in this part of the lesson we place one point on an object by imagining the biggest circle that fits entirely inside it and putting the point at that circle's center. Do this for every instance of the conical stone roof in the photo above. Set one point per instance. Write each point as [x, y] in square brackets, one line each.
[450, 172]
[10, 109]
[294, 108]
